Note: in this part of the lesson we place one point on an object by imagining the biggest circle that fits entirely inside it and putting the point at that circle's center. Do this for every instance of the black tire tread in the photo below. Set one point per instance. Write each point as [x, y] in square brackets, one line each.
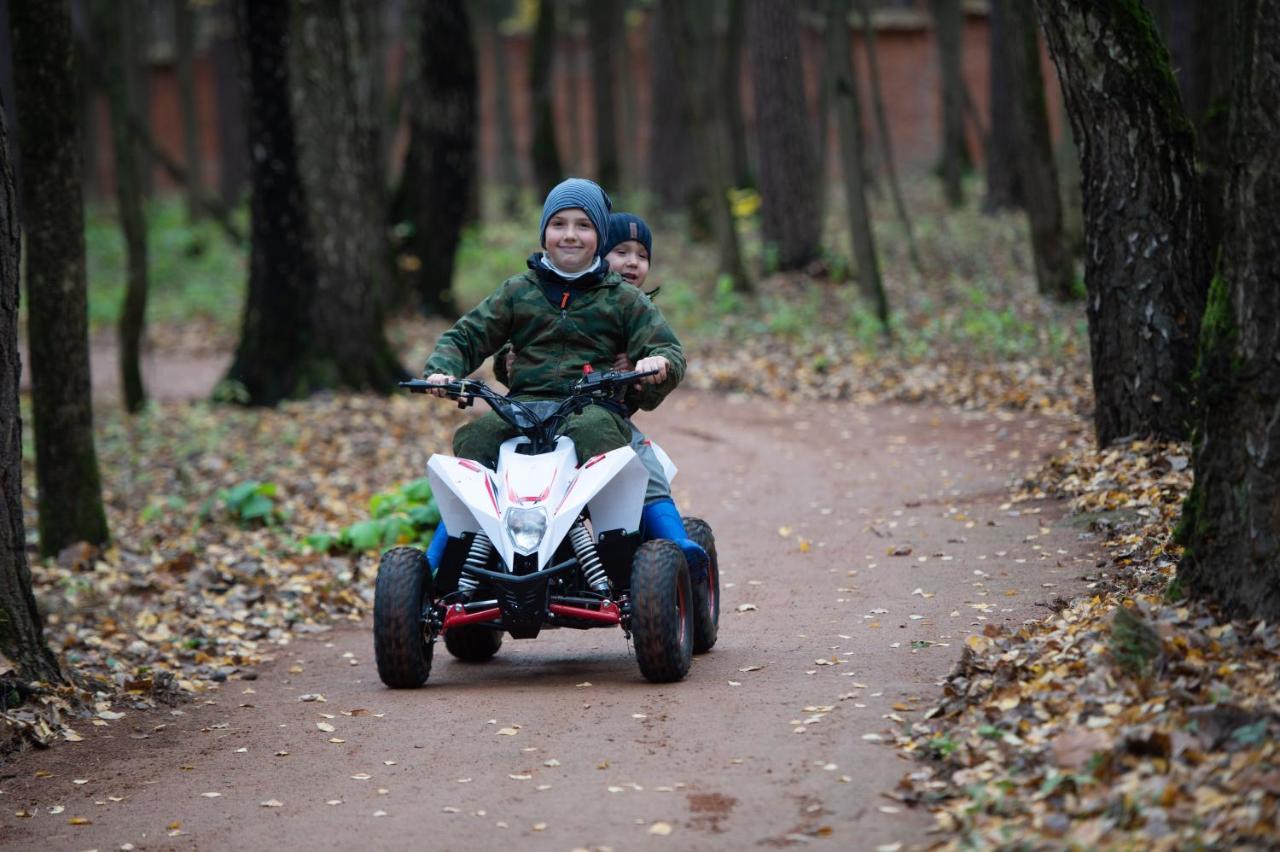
[473, 644]
[706, 613]
[656, 570]
[403, 654]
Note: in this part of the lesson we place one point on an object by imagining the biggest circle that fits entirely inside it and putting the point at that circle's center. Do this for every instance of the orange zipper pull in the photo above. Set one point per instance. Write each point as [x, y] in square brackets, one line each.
[564, 300]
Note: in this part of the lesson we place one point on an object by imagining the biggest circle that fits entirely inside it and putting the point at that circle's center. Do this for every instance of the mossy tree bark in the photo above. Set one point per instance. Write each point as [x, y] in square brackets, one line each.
[45, 75]
[1146, 260]
[1230, 521]
[21, 637]
[335, 119]
[789, 180]
[606, 24]
[1037, 172]
[954, 160]
[118, 53]
[440, 165]
[547, 171]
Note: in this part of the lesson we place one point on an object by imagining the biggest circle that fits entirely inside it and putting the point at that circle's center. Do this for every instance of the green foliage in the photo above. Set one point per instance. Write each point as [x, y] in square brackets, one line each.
[406, 514]
[1248, 736]
[1174, 592]
[251, 502]
[489, 256]
[943, 746]
[162, 506]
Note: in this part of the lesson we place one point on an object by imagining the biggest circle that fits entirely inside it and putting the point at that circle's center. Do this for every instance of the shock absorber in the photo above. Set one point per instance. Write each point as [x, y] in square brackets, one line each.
[585, 549]
[477, 557]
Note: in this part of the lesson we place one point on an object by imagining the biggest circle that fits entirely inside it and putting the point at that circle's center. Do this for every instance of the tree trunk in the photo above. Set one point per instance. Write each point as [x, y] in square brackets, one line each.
[334, 117]
[1067, 155]
[21, 639]
[672, 177]
[508, 161]
[1055, 271]
[547, 171]
[789, 180]
[184, 54]
[67, 479]
[233, 140]
[735, 37]
[138, 74]
[441, 161]
[948, 18]
[275, 332]
[1003, 188]
[1147, 264]
[696, 59]
[7, 96]
[849, 121]
[1229, 523]
[117, 50]
[604, 21]
[882, 126]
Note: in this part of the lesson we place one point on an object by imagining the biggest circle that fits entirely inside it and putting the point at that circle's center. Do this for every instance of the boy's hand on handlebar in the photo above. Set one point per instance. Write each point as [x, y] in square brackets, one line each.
[439, 379]
[622, 363]
[653, 362]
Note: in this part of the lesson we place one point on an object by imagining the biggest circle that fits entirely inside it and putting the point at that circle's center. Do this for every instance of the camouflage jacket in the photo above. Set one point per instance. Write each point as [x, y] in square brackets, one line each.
[558, 326]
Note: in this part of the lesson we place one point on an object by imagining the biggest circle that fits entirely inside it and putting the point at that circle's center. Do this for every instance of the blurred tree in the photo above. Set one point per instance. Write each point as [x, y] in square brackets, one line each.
[672, 174]
[1146, 261]
[6, 93]
[1067, 155]
[184, 27]
[117, 50]
[69, 492]
[696, 58]
[440, 164]
[948, 22]
[491, 14]
[233, 144]
[138, 77]
[605, 24]
[849, 122]
[335, 117]
[1037, 175]
[1231, 519]
[547, 171]
[21, 639]
[276, 331]
[1003, 188]
[735, 37]
[789, 179]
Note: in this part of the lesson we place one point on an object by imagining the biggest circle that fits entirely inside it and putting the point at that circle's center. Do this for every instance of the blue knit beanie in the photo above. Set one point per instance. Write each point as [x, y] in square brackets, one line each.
[627, 226]
[581, 193]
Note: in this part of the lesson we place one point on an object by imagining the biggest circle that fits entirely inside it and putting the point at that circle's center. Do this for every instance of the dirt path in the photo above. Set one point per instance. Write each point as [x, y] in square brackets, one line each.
[558, 743]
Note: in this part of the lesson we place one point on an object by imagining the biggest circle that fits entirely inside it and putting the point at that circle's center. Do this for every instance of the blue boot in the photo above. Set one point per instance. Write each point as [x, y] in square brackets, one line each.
[661, 519]
[435, 550]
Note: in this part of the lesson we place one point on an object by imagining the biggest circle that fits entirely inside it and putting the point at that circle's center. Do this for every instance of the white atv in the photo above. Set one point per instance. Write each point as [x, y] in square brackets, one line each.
[543, 543]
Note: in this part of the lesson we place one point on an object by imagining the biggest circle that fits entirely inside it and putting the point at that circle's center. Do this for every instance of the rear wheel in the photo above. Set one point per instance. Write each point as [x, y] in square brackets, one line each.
[706, 595]
[661, 611]
[401, 646]
[473, 644]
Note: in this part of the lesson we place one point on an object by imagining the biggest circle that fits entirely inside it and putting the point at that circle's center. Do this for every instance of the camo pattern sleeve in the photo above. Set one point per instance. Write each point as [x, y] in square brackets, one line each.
[648, 333]
[475, 336]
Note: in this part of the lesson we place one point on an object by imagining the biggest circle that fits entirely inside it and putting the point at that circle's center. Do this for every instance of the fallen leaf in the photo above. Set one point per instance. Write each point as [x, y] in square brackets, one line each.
[662, 829]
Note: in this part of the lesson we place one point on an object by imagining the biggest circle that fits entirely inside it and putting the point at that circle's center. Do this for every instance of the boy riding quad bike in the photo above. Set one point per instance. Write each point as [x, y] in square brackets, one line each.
[542, 542]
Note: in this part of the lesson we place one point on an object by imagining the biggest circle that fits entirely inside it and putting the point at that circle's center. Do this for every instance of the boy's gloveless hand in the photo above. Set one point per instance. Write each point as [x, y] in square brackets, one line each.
[622, 363]
[438, 379]
[653, 362]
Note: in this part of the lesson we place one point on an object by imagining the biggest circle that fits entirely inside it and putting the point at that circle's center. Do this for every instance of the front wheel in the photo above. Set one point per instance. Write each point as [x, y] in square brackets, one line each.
[473, 644]
[661, 611]
[706, 596]
[402, 648]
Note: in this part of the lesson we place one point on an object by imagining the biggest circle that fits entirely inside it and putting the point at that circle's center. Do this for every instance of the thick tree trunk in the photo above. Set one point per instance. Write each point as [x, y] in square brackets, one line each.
[441, 162]
[1067, 154]
[789, 180]
[948, 21]
[233, 140]
[1003, 188]
[547, 171]
[849, 121]
[1055, 270]
[605, 21]
[694, 54]
[7, 94]
[67, 478]
[184, 54]
[672, 177]
[117, 50]
[268, 365]
[334, 118]
[508, 161]
[1229, 523]
[21, 639]
[1147, 264]
[735, 38]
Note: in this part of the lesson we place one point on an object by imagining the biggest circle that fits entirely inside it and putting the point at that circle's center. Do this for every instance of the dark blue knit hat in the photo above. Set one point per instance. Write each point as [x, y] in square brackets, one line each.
[584, 194]
[627, 226]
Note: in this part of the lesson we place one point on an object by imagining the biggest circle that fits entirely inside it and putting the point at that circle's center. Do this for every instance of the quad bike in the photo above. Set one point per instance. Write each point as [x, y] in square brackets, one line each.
[542, 543]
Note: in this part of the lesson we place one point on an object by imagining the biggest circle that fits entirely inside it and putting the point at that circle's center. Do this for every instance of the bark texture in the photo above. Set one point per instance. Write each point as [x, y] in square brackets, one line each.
[21, 639]
[1037, 172]
[67, 479]
[282, 271]
[605, 22]
[1230, 521]
[1146, 262]
[789, 180]
[948, 21]
[441, 162]
[547, 171]
[335, 121]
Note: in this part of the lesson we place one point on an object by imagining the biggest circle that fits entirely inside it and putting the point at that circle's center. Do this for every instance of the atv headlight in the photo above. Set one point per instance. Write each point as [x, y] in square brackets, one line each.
[526, 527]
